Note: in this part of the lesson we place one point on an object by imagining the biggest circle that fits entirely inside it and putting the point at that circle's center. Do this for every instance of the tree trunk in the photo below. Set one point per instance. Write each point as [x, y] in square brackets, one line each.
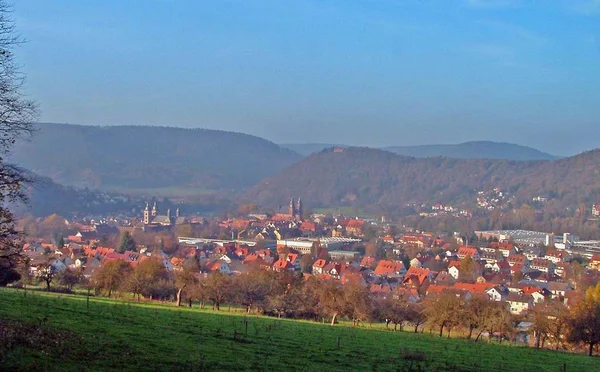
[442, 329]
[417, 328]
[179, 297]
[333, 318]
[47, 286]
[591, 348]
[470, 333]
[109, 292]
[478, 335]
[189, 302]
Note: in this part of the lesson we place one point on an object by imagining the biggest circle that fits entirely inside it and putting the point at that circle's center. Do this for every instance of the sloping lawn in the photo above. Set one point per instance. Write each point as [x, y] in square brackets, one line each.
[129, 336]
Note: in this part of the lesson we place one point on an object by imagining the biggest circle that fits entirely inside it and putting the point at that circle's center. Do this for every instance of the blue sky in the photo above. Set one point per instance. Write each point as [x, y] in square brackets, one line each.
[360, 72]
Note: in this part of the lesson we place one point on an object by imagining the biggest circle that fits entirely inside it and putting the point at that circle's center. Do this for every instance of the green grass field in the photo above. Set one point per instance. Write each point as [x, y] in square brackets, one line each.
[129, 336]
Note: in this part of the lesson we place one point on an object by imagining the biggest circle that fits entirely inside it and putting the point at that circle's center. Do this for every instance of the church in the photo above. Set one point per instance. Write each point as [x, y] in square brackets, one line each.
[295, 209]
[151, 217]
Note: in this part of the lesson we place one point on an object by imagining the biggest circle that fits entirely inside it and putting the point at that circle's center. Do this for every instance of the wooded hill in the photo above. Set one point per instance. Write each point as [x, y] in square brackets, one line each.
[374, 178]
[466, 150]
[473, 150]
[142, 157]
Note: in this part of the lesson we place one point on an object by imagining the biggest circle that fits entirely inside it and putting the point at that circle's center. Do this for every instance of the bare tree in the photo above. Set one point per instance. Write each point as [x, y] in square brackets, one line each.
[17, 115]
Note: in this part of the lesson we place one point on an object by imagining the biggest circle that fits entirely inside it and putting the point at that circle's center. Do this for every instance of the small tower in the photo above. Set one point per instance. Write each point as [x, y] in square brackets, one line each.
[299, 209]
[177, 213]
[292, 209]
[154, 210]
[169, 214]
[147, 214]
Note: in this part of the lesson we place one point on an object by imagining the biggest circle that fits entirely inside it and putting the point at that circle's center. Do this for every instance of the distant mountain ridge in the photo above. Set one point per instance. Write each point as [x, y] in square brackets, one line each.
[368, 177]
[465, 150]
[144, 157]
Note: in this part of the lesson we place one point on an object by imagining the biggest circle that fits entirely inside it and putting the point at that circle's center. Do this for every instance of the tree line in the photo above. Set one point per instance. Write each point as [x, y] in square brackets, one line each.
[450, 313]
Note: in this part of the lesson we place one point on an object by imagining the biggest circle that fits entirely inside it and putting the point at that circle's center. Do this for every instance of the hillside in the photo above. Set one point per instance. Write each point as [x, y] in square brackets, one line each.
[308, 148]
[46, 197]
[466, 150]
[130, 157]
[62, 333]
[473, 150]
[375, 178]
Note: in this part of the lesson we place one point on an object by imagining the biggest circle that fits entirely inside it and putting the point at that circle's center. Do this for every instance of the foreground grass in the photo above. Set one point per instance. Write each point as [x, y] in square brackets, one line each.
[128, 336]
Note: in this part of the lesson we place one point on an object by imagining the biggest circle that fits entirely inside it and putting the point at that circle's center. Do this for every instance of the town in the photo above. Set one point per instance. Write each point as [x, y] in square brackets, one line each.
[394, 274]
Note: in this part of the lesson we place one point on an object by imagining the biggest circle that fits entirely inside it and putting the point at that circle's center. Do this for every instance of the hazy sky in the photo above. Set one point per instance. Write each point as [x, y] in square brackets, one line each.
[362, 72]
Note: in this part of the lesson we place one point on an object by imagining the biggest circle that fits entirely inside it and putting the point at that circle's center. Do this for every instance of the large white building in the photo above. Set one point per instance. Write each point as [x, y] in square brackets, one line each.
[306, 245]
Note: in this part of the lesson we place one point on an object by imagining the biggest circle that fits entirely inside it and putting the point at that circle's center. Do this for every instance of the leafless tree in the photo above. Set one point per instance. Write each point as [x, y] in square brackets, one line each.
[17, 115]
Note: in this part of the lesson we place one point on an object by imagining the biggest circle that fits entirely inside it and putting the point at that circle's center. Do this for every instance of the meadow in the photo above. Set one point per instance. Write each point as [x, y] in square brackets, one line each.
[65, 332]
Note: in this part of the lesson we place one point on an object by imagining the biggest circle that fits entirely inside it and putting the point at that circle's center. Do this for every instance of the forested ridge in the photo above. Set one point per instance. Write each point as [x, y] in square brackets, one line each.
[369, 177]
[150, 157]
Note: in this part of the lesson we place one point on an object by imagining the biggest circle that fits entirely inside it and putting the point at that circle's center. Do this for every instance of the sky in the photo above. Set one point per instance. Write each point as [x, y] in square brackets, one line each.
[355, 72]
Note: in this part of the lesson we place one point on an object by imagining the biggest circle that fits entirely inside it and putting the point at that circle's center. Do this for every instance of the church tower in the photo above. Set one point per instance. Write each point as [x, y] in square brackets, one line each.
[147, 214]
[299, 209]
[154, 210]
[292, 209]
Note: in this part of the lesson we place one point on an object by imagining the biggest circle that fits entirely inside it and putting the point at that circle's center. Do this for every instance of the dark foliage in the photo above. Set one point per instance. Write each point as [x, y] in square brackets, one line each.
[366, 177]
[150, 157]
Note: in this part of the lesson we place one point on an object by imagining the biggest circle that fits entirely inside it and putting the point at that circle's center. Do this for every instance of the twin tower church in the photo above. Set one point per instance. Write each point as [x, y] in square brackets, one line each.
[152, 216]
[295, 209]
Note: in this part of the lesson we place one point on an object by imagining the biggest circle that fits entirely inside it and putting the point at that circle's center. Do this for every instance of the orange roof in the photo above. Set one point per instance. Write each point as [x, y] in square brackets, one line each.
[474, 288]
[386, 267]
[357, 224]
[282, 265]
[467, 251]
[420, 274]
[367, 261]
[435, 288]
[454, 263]
[320, 263]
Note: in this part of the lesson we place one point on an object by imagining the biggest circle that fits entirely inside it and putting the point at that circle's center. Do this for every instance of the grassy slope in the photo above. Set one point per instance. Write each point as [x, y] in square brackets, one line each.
[121, 335]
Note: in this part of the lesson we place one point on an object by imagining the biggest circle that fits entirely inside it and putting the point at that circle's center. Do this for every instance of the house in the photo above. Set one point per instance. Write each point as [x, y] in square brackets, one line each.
[355, 227]
[415, 262]
[476, 288]
[418, 278]
[542, 265]
[454, 269]
[497, 293]
[465, 251]
[500, 267]
[596, 210]
[367, 261]
[411, 295]
[490, 258]
[219, 265]
[555, 256]
[444, 278]
[294, 259]
[319, 266]
[517, 259]
[519, 303]
[594, 263]
[283, 266]
[390, 268]
[308, 227]
[559, 289]
[334, 270]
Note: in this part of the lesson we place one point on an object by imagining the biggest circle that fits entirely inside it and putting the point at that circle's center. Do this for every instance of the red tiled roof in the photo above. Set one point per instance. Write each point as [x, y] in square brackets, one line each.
[387, 267]
[320, 263]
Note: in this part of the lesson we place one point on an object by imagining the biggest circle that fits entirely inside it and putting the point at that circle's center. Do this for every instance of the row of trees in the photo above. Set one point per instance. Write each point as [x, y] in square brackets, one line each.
[290, 295]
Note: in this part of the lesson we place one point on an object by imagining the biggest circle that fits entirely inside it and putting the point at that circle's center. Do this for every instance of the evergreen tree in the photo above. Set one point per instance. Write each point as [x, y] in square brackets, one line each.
[127, 243]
